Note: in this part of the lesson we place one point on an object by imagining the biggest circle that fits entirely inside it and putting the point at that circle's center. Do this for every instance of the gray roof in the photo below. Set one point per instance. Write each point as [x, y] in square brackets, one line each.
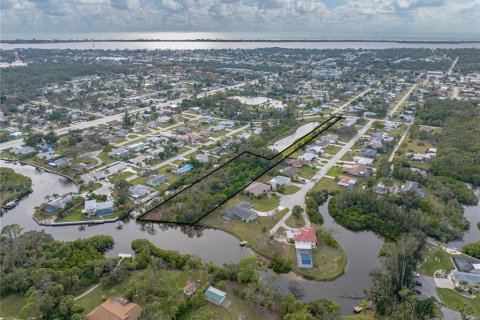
[241, 210]
[139, 190]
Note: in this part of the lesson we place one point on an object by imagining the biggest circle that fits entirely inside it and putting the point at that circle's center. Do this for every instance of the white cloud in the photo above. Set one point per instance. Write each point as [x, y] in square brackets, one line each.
[349, 16]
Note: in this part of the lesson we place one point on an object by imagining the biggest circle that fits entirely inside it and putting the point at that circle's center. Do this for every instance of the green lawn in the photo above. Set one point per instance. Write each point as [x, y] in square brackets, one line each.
[455, 301]
[11, 305]
[326, 183]
[435, 259]
[120, 176]
[290, 190]
[307, 172]
[294, 222]
[262, 204]
[105, 158]
[335, 171]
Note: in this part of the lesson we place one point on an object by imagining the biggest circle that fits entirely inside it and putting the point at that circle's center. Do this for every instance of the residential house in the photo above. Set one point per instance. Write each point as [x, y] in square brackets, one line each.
[289, 172]
[227, 123]
[24, 151]
[60, 162]
[116, 309]
[305, 241]
[257, 189]
[139, 191]
[94, 208]
[331, 138]
[157, 179]
[308, 156]
[92, 177]
[155, 152]
[116, 168]
[363, 160]
[381, 188]
[242, 211]
[346, 182]
[358, 170]
[415, 187]
[280, 181]
[369, 153]
[203, 158]
[139, 161]
[57, 204]
[184, 169]
[119, 153]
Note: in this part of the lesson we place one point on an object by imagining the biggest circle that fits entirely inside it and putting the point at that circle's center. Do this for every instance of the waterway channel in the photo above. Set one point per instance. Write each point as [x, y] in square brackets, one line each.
[362, 248]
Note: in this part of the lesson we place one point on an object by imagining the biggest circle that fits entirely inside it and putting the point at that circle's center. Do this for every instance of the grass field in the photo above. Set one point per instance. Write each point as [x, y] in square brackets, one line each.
[455, 301]
[326, 183]
[291, 190]
[435, 259]
[335, 171]
[294, 222]
[11, 305]
[307, 172]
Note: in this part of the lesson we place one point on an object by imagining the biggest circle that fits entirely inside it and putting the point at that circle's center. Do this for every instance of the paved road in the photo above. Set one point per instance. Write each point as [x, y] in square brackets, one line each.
[428, 289]
[298, 198]
[449, 72]
[399, 144]
[405, 97]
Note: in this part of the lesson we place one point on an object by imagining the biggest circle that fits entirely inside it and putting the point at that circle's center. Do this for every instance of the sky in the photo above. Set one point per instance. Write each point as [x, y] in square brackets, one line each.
[322, 19]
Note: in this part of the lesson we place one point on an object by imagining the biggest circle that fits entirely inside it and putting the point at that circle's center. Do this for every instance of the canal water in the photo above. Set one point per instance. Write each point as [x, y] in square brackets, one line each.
[210, 244]
[362, 248]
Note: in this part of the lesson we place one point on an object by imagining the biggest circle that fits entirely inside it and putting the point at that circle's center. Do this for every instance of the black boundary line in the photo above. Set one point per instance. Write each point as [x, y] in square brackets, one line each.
[336, 117]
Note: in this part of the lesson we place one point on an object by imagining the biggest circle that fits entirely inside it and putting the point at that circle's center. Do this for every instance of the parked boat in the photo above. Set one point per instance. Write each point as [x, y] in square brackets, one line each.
[10, 205]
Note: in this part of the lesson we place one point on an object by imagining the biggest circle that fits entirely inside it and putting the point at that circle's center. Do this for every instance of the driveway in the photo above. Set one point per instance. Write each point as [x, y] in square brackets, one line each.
[428, 290]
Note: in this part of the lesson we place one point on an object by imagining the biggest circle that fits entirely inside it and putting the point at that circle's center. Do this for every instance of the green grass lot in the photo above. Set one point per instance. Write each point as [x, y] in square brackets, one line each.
[92, 186]
[262, 204]
[120, 176]
[291, 189]
[414, 146]
[119, 140]
[105, 158]
[435, 259]
[294, 222]
[326, 183]
[455, 301]
[335, 171]
[11, 305]
[307, 172]
[87, 161]
[332, 149]
[132, 136]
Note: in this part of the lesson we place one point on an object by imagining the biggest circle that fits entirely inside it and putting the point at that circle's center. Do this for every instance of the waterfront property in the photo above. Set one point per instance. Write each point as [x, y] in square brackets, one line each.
[305, 240]
[217, 297]
[94, 208]
[57, 204]
[242, 211]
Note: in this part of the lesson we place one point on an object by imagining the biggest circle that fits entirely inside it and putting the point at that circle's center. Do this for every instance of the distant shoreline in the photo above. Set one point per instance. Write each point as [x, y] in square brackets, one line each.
[49, 41]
